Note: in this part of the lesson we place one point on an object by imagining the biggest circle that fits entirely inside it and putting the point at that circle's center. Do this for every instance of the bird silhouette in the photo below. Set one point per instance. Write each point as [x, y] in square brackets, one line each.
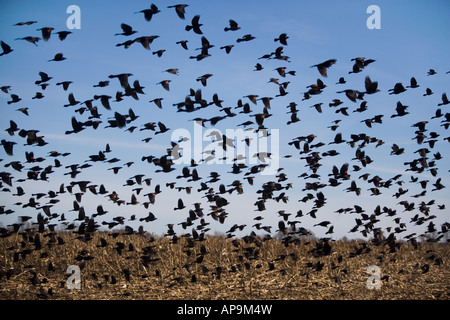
[58, 57]
[398, 88]
[444, 100]
[127, 30]
[148, 13]
[322, 67]
[282, 38]
[245, 38]
[180, 9]
[195, 25]
[8, 146]
[371, 86]
[46, 32]
[62, 35]
[180, 205]
[25, 23]
[183, 43]
[165, 84]
[6, 48]
[33, 40]
[233, 26]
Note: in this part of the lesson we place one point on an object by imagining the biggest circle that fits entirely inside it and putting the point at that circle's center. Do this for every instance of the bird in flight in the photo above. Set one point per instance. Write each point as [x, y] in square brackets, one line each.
[6, 48]
[195, 25]
[149, 13]
[180, 9]
[323, 67]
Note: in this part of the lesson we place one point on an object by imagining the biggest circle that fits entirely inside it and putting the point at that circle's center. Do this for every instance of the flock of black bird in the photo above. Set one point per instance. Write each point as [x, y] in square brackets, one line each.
[17, 172]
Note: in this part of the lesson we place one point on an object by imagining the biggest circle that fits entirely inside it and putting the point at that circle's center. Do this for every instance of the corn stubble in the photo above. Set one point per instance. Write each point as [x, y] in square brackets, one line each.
[120, 266]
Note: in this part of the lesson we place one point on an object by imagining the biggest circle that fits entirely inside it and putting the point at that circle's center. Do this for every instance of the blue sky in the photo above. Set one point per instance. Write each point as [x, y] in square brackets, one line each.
[412, 40]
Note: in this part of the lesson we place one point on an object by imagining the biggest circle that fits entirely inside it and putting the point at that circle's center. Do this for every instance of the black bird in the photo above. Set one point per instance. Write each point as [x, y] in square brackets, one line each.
[157, 102]
[203, 78]
[183, 43]
[180, 10]
[282, 38]
[341, 81]
[5, 89]
[352, 95]
[397, 150]
[258, 67]
[245, 38]
[180, 205]
[261, 205]
[8, 146]
[127, 30]
[127, 274]
[371, 86]
[27, 23]
[420, 125]
[14, 99]
[195, 25]
[227, 48]
[318, 107]
[76, 126]
[233, 26]
[126, 44]
[72, 101]
[149, 218]
[398, 88]
[44, 78]
[46, 32]
[159, 53]
[361, 62]
[330, 230]
[401, 110]
[62, 35]
[165, 84]
[146, 41]
[65, 84]
[123, 79]
[444, 100]
[12, 128]
[413, 83]
[282, 227]
[337, 139]
[104, 99]
[355, 69]
[58, 57]
[148, 13]
[322, 67]
[101, 84]
[428, 92]
[162, 128]
[323, 224]
[33, 40]
[6, 48]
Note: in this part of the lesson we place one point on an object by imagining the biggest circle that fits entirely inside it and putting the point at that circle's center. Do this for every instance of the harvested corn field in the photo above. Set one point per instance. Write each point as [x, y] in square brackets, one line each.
[121, 266]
